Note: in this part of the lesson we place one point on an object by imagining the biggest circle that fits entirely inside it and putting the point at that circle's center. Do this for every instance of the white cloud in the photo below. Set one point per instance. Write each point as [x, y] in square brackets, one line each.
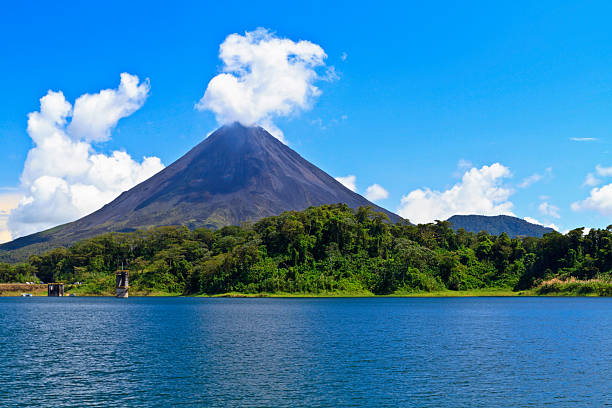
[94, 116]
[549, 209]
[462, 166]
[8, 202]
[480, 191]
[534, 221]
[591, 180]
[273, 129]
[263, 77]
[63, 177]
[534, 178]
[319, 123]
[603, 171]
[349, 182]
[583, 139]
[376, 192]
[343, 56]
[330, 74]
[599, 199]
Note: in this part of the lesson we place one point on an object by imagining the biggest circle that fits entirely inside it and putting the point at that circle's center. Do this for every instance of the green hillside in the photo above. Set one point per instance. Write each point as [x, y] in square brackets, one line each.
[498, 224]
[329, 249]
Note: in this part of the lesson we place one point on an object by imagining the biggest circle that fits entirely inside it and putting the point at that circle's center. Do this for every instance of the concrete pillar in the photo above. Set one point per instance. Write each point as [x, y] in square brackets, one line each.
[55, 289]
[121, 289]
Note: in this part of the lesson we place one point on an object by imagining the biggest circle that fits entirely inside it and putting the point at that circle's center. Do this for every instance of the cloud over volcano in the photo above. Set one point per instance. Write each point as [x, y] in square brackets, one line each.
[263, 77]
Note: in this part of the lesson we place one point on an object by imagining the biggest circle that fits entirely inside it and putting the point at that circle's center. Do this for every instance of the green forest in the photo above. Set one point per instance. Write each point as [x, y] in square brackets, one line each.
[330, 250]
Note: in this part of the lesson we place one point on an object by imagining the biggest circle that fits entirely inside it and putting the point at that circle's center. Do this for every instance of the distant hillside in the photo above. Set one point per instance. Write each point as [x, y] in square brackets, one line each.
[495, 225]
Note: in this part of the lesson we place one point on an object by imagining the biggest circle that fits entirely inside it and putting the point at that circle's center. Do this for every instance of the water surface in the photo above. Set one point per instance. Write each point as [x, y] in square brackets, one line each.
[306, 352]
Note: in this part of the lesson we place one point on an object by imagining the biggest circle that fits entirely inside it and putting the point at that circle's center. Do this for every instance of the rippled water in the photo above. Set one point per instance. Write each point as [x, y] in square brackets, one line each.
[306, 352]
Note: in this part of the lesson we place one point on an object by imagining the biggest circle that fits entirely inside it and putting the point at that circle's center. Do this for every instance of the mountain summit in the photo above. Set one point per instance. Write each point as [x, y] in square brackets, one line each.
[237, 174]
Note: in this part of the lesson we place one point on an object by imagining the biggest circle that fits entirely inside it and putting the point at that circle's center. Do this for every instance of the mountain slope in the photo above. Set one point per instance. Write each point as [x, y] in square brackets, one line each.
[237, 174]
[495, 225]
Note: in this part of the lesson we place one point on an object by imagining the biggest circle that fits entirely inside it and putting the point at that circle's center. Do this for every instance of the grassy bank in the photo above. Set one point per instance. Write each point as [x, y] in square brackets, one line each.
[16, 289]
[552, 287]
[88, 291]
[505, 292]
[323, 294]
[574, 287]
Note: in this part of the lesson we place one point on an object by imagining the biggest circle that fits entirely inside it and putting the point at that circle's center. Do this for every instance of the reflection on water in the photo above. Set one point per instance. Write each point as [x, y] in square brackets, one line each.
[305, 352]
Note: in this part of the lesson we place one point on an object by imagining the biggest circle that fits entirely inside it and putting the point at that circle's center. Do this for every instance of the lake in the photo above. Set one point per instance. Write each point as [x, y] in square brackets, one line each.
[472, 352]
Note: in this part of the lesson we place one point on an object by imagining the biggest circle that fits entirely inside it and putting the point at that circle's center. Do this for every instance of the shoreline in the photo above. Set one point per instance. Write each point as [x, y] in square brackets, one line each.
[42, 292]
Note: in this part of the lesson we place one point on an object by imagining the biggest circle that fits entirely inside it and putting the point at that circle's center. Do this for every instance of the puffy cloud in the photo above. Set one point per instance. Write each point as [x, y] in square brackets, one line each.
[603, 171]
[263, 76]
[591, 180]
[480, 191]
[94, 116]
[599, 199]
[549, 209]
[349, 182]
[8, 202]
[376, 192]
[63, 177]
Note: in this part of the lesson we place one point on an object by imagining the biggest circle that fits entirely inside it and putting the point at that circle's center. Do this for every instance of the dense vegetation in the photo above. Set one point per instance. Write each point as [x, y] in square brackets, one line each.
[327, 249]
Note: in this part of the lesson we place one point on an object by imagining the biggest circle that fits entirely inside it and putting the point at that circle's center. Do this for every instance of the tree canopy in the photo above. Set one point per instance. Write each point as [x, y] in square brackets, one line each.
[331, 248]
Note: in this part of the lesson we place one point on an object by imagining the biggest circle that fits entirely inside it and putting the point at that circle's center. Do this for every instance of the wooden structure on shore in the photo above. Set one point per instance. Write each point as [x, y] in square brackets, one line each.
[55, 289]
[122, 286]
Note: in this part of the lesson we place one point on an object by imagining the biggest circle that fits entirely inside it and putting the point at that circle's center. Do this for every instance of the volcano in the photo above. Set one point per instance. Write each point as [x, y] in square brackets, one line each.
[235, 175]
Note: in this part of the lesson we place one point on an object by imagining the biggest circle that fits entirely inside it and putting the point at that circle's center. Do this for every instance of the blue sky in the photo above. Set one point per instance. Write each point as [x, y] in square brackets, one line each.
[424, 92]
